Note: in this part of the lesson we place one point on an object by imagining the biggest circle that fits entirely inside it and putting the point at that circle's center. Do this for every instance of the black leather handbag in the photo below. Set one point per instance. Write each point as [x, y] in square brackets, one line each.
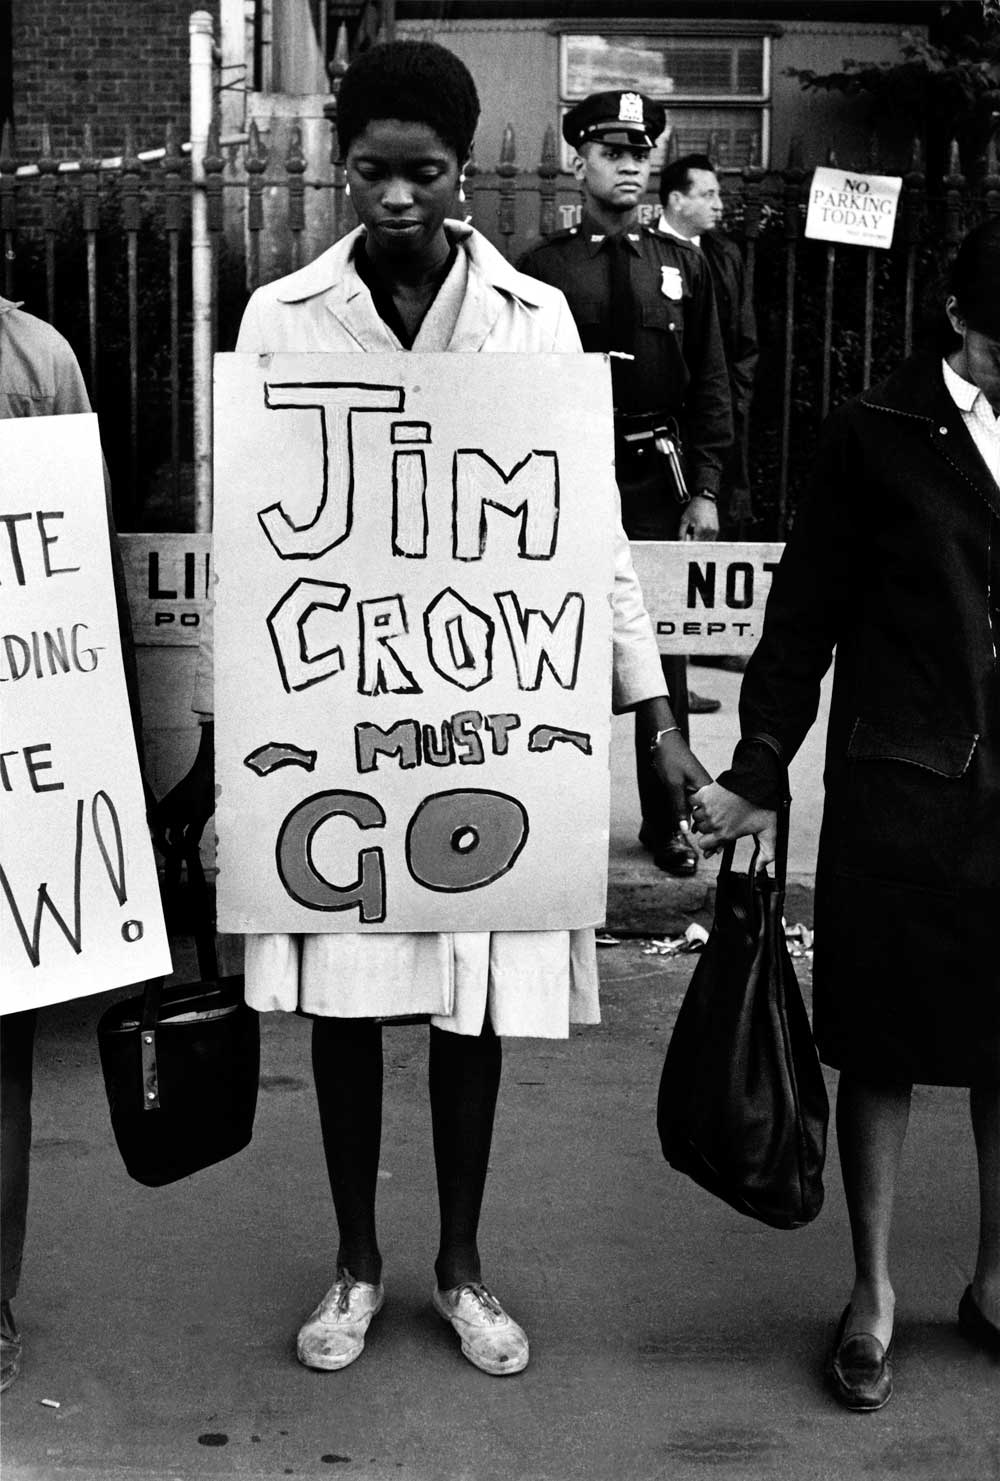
[743, 1108]
[181, 1066]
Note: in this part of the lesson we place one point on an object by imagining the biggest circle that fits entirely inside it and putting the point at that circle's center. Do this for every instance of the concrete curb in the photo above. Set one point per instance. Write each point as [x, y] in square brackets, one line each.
[643, 901]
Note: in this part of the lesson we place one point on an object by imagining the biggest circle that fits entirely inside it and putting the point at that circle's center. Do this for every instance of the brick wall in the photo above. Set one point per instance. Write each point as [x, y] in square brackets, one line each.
[102, 61]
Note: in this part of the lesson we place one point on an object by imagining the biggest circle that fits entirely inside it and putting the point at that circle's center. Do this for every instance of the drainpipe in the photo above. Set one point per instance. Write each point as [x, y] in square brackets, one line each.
[200, 30]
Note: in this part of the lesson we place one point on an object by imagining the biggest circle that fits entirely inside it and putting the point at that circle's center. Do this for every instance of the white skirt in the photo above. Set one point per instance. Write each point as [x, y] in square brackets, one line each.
[533, 984]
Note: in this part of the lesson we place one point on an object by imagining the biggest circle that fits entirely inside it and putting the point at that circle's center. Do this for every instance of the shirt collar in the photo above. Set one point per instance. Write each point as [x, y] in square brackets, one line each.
[962, 392]
[664, 225]
[594, 236]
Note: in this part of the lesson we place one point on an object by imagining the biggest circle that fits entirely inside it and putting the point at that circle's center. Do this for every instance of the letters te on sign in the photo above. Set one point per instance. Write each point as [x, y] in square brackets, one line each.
[847, 207]
[79, 902]
[414, 557]
[706, 598]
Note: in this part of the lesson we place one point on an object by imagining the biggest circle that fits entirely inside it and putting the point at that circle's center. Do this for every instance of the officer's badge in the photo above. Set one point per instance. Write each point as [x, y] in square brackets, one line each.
[630, 108]
[671, 283]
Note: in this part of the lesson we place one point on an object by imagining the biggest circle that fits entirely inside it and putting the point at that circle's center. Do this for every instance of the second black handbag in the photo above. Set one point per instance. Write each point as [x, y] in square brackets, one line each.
[181, 1066]
[743, 1108]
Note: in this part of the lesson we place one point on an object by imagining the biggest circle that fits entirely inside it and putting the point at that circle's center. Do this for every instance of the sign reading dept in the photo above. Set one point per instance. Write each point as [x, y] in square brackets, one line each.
[415, 555]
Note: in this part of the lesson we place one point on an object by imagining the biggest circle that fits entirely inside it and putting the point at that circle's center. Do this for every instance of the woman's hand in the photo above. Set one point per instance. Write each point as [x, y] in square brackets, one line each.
[680, 771]
[720, 817]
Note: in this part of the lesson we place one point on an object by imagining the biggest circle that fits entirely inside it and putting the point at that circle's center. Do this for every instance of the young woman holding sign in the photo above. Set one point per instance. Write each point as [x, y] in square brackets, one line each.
[411, 278]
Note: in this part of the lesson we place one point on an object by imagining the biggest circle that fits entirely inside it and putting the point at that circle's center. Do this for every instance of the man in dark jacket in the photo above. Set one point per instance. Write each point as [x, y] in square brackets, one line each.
[648, 301]
[692, 211]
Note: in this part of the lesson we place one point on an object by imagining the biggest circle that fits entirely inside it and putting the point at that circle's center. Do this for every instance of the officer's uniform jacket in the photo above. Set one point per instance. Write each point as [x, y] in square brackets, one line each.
[680, 366]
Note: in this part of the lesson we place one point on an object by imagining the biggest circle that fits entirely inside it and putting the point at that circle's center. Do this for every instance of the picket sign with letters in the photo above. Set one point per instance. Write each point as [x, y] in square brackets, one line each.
[857, 209]
[169, 580]
[414, 558]
[706, 598]
[79, 903]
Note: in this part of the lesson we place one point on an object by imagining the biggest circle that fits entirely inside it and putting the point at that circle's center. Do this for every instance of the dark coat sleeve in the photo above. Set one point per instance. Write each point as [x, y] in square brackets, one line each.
[743, 351]
[807, 613]
[708, 418]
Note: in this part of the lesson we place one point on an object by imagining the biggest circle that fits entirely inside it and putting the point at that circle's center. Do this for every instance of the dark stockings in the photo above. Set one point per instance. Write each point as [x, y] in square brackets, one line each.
[464, 1077]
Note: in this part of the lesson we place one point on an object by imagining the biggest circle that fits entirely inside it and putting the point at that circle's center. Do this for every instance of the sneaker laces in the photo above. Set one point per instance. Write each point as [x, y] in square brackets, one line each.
[483, 1298]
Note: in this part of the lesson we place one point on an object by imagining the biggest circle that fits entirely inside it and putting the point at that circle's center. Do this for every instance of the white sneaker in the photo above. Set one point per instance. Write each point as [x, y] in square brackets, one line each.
[491, 1340]
[334, 1335]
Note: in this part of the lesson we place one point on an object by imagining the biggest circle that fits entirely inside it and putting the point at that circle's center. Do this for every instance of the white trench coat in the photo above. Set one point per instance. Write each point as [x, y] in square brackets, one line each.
[529, 982]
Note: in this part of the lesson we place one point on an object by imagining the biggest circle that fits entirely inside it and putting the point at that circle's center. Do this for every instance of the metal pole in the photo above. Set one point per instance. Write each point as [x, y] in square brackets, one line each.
[200, 31]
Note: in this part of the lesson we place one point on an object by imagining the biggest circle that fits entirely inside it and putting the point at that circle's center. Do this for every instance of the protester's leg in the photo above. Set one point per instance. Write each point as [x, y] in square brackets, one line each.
[347, 1069]
[17, 1045]
[17, 1042]
[984, 1104]
[464, 1078]
[871, 1127]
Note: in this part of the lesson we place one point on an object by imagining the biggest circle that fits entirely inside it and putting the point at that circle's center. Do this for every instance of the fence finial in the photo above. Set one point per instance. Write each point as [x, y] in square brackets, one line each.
[507, 170]
[8, 164]
[548, 171]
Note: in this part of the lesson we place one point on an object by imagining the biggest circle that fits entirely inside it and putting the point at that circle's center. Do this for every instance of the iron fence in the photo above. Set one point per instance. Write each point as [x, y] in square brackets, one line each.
[102, 249]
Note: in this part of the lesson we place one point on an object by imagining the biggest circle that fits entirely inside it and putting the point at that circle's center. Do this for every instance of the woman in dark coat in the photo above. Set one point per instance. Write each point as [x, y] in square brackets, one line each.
[895, 561]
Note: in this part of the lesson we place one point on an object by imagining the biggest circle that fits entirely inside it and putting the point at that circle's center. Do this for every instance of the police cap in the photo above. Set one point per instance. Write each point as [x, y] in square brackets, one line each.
[615, 118]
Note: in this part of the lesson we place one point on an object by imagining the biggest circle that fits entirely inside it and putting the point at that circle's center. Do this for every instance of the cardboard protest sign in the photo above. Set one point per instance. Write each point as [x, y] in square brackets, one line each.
[79, 903]
[847, 207]
[169, 582]
[706, 598]
[414, 558]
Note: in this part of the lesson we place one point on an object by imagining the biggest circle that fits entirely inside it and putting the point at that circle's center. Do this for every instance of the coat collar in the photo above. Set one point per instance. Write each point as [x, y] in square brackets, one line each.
[492, 284]
[917, 390]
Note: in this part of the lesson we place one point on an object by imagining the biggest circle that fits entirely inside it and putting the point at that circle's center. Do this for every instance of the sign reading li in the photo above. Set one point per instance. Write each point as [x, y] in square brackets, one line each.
[414, 557]
[857, 209]
[79, 902]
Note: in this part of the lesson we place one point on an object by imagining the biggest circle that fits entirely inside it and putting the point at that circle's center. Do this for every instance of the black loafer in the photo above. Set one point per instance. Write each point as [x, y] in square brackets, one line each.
[700, 704]
[676, 856]
[974, 1324]
[859, 1370]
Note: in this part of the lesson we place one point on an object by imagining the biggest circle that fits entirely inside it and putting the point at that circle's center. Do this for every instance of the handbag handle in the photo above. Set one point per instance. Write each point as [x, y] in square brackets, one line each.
[208, 966]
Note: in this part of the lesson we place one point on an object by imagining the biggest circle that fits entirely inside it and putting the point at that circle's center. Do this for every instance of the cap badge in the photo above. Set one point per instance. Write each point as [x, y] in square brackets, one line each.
[671, 283]
[630, 109]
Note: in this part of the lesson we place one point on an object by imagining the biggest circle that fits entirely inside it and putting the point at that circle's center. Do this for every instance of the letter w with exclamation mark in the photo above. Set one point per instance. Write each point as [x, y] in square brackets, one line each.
[409, 489]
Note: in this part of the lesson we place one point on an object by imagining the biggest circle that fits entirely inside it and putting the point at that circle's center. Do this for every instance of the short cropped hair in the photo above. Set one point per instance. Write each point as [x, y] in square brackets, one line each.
[416, 81]
[677, 174]
[975, 278]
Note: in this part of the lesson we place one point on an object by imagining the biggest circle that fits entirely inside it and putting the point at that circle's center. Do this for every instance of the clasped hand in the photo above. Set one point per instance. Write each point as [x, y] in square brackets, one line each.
[720, 817]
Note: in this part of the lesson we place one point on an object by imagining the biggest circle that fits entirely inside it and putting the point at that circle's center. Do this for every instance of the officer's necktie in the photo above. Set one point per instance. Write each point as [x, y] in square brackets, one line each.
[621, 316]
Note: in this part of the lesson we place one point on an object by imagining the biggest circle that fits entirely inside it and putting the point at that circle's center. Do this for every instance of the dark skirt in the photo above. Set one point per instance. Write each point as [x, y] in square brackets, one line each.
[906, 980]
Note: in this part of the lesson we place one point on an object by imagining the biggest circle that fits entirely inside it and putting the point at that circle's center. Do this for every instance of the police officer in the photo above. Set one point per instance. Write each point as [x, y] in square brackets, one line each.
[646, 299]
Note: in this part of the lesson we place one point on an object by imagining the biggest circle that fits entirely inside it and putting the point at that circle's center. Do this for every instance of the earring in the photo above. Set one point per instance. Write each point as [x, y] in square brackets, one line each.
[347, 187]
[461, 187]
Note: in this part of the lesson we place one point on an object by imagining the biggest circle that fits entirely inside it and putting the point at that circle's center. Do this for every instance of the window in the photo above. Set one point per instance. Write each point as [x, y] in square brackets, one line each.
[715, 86]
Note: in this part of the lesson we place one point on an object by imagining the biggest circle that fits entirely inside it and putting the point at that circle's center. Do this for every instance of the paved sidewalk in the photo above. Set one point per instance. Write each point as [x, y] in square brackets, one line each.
[644, 901]
[671, 1338]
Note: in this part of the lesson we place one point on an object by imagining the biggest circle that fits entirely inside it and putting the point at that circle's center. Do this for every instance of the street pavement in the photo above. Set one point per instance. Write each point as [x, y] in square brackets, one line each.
[671, 1337]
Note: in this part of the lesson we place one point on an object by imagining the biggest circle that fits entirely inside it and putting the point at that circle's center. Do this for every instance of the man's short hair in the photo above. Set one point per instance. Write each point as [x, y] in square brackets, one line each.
[677, 174]
[975, 279]
[415, 81]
